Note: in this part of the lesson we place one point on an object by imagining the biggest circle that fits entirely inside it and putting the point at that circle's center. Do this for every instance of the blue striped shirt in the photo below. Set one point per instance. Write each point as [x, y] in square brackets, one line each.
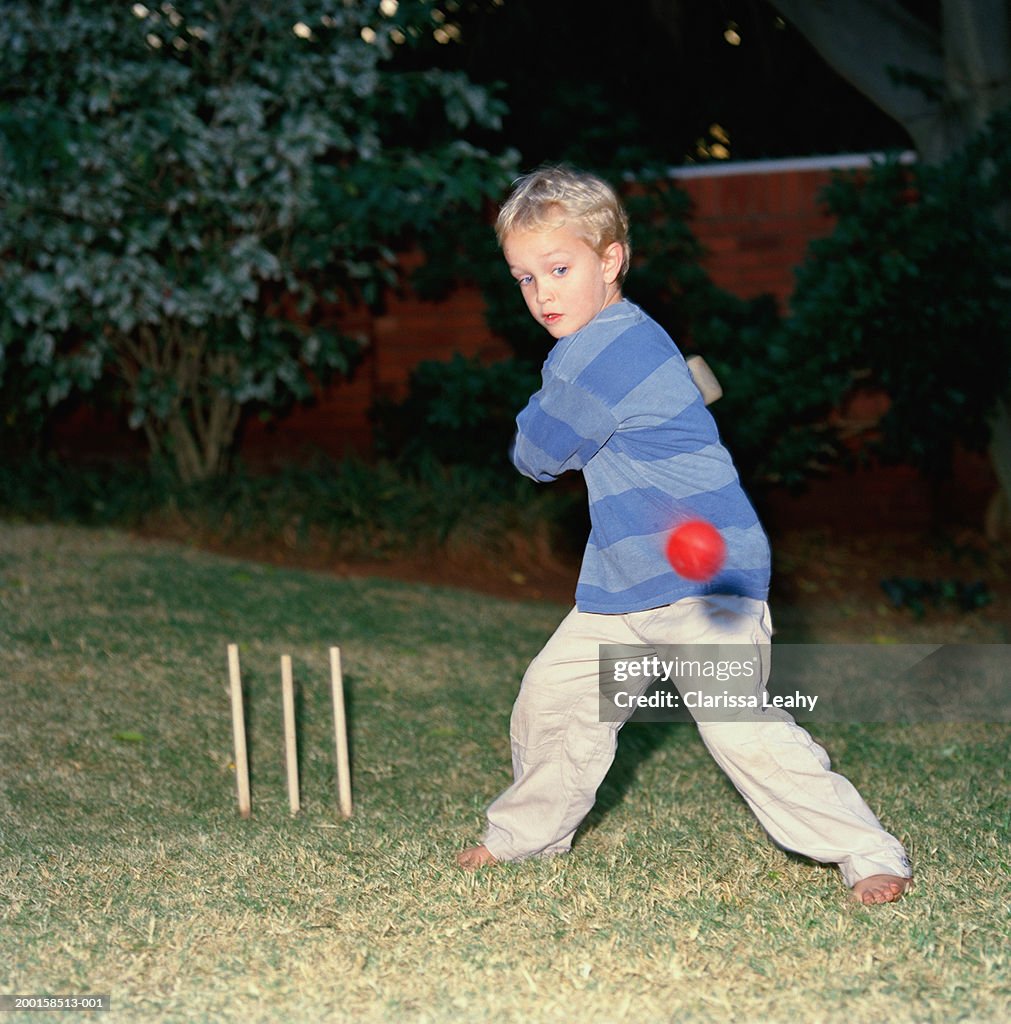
[618, 402]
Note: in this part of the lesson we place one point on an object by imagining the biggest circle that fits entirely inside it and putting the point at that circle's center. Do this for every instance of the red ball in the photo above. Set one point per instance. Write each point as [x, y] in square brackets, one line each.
[696, 550]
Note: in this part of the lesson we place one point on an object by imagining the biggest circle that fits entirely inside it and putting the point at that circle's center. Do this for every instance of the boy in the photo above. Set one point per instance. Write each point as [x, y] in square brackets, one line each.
[618, 404]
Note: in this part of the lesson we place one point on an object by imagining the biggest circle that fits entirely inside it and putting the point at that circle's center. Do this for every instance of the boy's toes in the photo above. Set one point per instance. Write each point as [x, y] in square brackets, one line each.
[475, 857]
[881, 888]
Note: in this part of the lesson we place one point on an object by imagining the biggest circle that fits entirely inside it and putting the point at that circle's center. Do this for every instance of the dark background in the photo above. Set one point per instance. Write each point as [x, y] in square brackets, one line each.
[617, 85]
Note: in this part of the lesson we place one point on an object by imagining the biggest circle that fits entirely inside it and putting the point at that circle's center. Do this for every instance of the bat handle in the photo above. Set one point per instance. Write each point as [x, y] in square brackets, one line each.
[705, 379]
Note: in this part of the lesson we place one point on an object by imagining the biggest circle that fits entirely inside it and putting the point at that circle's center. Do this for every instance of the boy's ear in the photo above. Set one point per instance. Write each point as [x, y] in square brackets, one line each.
[612, 259]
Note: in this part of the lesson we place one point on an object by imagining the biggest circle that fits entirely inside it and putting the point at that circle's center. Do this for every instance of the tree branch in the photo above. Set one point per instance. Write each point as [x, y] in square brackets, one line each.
[862, 40]
[977, 56]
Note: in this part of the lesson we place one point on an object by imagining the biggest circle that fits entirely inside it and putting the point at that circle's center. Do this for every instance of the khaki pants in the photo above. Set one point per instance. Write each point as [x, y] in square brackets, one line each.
[561, 750]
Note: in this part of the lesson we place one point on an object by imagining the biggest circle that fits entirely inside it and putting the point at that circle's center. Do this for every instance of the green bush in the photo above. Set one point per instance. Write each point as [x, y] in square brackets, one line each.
[772, 413]
[911, 294]
[775, 404]
[40, 488]
[460, 412]
[191, 194]
[349, 509]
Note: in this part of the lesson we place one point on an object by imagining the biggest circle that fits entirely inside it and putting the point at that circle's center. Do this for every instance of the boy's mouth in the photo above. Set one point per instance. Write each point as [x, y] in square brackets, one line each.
[552, 318]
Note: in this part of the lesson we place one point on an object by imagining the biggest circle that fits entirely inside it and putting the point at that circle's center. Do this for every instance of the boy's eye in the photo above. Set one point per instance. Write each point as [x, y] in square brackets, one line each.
[524, 280]
[560, 271]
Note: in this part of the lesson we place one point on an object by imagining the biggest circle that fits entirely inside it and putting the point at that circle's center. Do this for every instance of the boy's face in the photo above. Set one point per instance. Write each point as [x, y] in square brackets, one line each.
[564, 282]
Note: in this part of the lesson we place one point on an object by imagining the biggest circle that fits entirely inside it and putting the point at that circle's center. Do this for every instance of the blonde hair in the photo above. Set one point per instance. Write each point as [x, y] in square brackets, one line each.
[551, 197]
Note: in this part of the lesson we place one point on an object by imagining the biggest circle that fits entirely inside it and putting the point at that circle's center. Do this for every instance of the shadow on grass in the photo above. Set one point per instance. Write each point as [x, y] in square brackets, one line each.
[637, 744]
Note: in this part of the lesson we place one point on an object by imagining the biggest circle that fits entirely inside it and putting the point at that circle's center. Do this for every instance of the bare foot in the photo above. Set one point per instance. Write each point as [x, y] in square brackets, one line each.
[881, 888]
[475, 857]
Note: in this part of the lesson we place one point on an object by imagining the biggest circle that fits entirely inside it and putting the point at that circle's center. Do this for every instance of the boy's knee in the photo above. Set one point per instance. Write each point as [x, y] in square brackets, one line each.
[546, 726]
[763, 748]
[533, 721]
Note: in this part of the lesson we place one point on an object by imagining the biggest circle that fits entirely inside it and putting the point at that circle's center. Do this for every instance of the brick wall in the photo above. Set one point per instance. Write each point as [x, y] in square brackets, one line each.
[408, 332]
[756, 220]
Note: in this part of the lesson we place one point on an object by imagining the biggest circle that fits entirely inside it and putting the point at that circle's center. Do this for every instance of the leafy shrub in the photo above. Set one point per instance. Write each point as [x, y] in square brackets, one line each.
[189, 194]
[773, 411]
[911, 293]
[460, 412]
[916, 594]
[43, 489]
[776, 401]
[348, 508]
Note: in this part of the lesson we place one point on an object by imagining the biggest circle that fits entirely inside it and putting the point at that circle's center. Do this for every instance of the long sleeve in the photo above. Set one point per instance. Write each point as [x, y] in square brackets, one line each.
[562, 428]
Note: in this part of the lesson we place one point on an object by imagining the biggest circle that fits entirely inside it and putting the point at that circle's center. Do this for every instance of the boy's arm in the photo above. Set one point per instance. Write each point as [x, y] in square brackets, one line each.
[562, 428]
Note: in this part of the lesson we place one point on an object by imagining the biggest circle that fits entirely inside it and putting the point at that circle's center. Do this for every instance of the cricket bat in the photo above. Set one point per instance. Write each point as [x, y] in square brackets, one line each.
[705, 379]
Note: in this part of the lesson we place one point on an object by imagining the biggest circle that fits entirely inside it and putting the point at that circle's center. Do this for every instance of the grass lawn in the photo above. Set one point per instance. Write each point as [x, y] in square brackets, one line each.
[126, 869]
